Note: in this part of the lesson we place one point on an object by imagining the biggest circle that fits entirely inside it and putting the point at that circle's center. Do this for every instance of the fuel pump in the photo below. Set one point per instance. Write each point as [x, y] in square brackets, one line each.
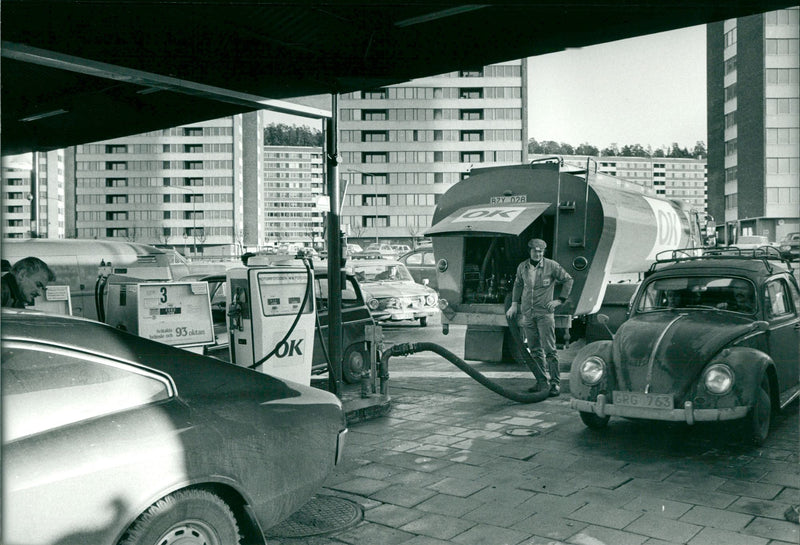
[271, 319]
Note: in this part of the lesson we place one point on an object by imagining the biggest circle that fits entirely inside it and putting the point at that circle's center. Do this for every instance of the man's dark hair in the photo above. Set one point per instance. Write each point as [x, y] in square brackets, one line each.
[33, 265]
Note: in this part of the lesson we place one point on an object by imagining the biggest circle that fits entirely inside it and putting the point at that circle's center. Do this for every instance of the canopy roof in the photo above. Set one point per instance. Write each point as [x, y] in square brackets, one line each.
[82, 71]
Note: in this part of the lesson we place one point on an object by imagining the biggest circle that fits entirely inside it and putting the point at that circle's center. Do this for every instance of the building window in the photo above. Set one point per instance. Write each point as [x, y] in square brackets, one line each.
[470, 115]
[780, 106]
[116, 182]
[193, 198]
[782, 17]
[373, 115]
[374, 136]
[192, 131]
[783, 47]
[730, 147]
[193, 231]
[731, 201]
[167, 214]
[193, 165]
[193, 148]
[730, 37]
[193, 181]
[730, 92]
[472, 157]
[374, 94]
[116, 148]
[730, 65]
[471, 73]
[783, 76]
[730, 120]
[116, 216]
[374, 157]
[193, 215]
[116, 199]
[470, 92]
[730, 174]
[116, 232]
[471, 136]
[116, 165]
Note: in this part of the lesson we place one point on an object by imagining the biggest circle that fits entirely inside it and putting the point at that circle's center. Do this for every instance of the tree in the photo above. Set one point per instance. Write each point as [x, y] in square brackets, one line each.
[678, 152]
[611, 151]
[281, 134]
[699, 150]
[587, 149]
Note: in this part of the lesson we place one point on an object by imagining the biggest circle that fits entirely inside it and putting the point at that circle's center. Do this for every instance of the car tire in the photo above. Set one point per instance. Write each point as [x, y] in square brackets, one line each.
[760, 416]
[190, 517]
[353, 363]
[593, 421]
[423, 322]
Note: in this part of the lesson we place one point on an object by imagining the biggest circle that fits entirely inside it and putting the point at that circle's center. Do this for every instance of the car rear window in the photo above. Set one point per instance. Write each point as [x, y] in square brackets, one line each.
[47, 388]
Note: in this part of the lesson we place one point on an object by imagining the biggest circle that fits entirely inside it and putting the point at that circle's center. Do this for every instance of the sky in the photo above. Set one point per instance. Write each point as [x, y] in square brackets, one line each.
[648, 90]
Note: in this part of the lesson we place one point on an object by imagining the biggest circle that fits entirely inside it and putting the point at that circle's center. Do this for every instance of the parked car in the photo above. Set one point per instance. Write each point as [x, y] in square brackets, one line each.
[749, 242]
[790, 246]
[111, 438]
[421, 263]
[708, 338]
[400, 249]
[391, 292]
[353, 249]
[385, 250]
[355, 319]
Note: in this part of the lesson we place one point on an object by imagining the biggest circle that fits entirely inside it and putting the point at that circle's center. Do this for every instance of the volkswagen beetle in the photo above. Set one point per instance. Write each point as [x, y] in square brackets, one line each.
[708, 338]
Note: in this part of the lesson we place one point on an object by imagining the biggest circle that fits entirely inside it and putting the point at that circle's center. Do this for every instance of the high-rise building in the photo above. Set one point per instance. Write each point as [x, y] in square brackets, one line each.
[403, 146]
[33, 193]
[293, 184]
[753, 67]
[195, 187]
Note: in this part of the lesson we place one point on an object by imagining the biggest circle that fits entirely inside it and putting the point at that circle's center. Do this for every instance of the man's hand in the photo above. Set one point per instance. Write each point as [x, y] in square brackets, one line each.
[512, 311]
[552, 305]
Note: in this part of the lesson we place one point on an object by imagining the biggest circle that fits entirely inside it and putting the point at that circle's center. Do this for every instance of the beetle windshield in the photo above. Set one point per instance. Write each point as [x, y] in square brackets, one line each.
[718, 292]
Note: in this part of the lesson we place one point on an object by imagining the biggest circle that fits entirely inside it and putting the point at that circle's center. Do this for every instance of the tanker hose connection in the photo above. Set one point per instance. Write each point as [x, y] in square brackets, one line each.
[411, 348]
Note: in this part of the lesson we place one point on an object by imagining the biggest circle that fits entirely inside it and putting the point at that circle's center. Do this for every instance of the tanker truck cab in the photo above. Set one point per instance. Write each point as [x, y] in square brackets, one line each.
[606, 230]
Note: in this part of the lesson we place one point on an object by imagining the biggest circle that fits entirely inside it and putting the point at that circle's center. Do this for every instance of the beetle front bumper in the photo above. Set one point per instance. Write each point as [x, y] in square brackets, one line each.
[687, 414]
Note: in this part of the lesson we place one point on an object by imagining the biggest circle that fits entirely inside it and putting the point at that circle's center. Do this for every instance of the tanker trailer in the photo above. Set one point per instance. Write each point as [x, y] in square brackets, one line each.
[602, 232]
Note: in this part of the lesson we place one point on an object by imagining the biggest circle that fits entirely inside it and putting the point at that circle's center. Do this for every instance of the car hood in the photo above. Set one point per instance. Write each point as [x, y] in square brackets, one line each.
[395, 289]
[679, 343]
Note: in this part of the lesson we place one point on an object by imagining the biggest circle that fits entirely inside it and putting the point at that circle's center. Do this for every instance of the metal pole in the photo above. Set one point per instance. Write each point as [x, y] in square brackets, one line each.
[375, 186]
[334, 250]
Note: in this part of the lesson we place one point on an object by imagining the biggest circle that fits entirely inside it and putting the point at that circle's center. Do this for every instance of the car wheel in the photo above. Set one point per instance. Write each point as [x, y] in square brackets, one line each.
[353, 364]
[760, 415]
[423, 321]
[188, 517]
[593, 421]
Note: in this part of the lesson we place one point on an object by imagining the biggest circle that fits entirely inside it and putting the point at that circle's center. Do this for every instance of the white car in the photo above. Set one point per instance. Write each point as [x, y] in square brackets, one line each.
[392, 294]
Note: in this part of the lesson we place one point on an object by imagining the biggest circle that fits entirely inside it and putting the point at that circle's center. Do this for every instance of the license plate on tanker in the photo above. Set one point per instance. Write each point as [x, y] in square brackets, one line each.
[637, 399]
[509, 199]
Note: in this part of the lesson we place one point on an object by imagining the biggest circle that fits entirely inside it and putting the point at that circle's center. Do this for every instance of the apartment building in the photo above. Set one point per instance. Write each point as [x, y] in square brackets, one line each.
[293, 185]
[184, 187]
[753, 66]
[403, 146]
[33, 194]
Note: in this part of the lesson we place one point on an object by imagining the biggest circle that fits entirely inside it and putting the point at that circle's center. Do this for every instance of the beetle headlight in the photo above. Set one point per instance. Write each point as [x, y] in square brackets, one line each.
[373, 304]
[592, 370]
[718, 379]
[430, 300]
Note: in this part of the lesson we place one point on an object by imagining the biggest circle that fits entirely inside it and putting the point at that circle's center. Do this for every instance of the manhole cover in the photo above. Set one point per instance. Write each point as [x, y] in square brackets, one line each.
[320, 515]
[523, 432]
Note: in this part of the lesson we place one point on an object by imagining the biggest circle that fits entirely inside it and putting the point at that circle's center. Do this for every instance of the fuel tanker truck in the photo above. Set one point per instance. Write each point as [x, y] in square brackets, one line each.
[603, 230]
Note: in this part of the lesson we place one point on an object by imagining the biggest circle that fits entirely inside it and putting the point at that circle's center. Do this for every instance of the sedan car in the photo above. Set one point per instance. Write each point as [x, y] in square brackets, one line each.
[421, 263]
[790, 246]
[391, 292]
[708, 338]
[111, 438]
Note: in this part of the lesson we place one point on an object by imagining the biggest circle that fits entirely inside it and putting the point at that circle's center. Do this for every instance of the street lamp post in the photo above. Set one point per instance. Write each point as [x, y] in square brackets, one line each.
[375, 187]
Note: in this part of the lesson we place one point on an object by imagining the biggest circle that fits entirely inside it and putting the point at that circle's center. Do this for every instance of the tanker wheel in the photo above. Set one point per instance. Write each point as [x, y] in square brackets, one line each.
[353, 364]
[593, 421]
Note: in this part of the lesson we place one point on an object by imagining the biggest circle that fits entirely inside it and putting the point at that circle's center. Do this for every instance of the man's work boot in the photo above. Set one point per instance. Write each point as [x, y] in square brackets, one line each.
[555, 390]
[540, 385]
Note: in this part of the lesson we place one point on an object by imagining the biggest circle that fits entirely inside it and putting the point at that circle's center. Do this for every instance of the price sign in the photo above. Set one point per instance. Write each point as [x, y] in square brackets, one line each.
[175, 313]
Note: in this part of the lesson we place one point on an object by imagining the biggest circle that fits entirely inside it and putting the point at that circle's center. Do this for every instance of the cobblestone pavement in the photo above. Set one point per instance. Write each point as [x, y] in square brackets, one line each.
[455, 463]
